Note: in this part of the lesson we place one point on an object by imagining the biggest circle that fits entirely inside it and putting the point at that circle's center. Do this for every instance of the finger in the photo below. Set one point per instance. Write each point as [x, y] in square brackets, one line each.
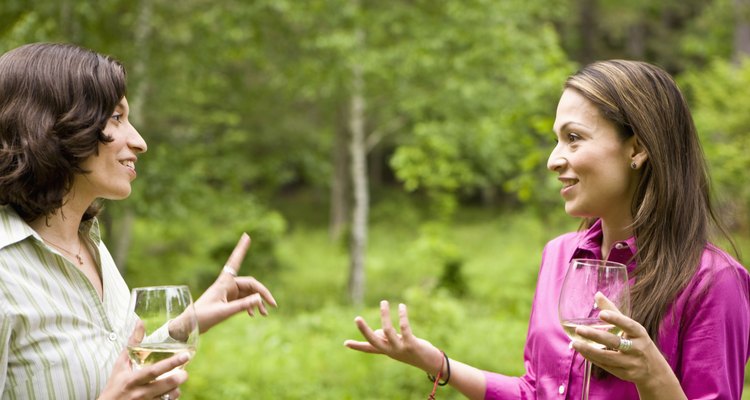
[364, 347]
[253, 302]
[238, 254]
[251, 285]
[403, 320]
[168, 385]
[385, 321]
[609, 360]
[156, 370]
[598, 335]
[249, 303]
[173, 394]
[630, 327]
[370, 336]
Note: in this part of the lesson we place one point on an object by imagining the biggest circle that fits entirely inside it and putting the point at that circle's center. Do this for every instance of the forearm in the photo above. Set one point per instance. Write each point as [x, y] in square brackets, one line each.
[467, 380]
[462, 377]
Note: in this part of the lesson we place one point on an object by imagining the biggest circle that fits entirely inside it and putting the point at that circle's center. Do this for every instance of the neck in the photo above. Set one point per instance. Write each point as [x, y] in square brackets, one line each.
[614, 232]
[62, 226]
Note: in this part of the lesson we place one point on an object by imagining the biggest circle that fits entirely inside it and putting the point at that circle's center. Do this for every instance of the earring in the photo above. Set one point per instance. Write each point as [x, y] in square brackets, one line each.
[633, 165]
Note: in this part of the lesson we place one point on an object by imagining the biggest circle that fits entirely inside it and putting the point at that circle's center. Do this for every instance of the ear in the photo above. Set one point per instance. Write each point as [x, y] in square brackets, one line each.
[638, 154]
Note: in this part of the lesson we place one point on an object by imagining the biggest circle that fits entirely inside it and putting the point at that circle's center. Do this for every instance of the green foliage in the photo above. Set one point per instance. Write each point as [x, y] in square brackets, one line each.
[722, 120]
[239, 102]
[297, 352]
[471, 95]
[191, 250]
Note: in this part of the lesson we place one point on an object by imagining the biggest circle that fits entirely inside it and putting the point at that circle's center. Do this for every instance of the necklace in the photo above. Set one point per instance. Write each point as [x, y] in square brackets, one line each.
[76, 255]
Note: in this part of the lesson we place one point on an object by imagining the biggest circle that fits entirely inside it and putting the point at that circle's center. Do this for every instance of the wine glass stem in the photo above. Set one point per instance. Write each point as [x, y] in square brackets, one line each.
[586, 379]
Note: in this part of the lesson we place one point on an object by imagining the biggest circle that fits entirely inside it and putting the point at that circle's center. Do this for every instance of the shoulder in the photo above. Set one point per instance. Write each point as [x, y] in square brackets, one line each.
[13, 229]
[720, 281]
[717, 264]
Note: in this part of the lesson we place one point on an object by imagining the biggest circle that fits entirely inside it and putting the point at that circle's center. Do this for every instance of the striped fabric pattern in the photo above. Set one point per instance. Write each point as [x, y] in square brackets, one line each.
[57, 339]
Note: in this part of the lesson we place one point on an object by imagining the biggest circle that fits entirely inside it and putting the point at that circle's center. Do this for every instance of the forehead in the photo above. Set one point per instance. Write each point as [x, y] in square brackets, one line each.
[576, 109]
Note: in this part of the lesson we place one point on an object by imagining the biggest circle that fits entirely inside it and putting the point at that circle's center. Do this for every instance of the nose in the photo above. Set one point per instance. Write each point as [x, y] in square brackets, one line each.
[136, 142]
[555, 160]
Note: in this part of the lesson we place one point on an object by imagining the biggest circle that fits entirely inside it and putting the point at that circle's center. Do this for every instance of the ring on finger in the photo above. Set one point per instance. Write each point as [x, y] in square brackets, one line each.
[625, 345]
[165, 397]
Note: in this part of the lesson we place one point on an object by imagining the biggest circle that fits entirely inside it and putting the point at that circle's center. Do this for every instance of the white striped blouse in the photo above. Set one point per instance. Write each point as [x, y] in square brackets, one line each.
[58, 340]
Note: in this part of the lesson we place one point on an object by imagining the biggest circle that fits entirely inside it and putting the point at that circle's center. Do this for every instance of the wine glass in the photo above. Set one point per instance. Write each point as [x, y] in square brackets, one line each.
[577, 306]
[164, 324]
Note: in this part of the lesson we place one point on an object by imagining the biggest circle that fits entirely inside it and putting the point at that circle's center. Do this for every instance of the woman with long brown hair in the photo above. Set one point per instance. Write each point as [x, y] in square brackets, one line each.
[631, 165]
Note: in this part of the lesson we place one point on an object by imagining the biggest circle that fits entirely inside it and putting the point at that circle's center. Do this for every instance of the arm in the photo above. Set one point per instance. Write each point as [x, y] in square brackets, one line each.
[713, 343]
[409, 349]
[715, 336]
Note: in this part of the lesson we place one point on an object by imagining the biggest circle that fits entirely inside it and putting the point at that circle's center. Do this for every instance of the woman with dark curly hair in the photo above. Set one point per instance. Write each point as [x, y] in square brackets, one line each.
[65, 143]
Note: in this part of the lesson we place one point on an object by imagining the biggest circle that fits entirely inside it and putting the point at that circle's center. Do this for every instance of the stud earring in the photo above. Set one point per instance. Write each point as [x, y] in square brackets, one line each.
[633, 165]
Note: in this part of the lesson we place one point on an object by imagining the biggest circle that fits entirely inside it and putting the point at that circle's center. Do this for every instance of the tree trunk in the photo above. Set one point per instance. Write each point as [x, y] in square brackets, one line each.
[359, 181]
[339, 184]
[588, 30]
[741, 30]
[636, 44]
[68, 22]
[121, 228]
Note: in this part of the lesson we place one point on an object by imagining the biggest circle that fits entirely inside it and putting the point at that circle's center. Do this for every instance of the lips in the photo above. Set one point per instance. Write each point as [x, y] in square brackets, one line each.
[568, 184]
[128, 163]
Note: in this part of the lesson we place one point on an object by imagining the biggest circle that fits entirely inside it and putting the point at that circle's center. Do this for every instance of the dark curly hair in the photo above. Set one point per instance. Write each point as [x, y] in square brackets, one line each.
[55, 100]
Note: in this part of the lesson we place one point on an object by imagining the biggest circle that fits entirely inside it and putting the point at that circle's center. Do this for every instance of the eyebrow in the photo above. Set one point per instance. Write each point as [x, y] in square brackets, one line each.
[568, 123]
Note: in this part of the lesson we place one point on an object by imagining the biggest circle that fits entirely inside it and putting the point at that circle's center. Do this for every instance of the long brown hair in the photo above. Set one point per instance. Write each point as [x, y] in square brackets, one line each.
[671, 208]
[55, 100]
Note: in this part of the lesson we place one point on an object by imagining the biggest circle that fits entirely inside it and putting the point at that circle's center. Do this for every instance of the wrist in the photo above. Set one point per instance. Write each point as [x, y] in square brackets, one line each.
[661, 385]
[432, 361]
[443, 374]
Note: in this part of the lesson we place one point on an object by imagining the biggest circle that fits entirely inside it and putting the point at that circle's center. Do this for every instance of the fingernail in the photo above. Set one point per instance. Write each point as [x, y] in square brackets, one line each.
[183, 358]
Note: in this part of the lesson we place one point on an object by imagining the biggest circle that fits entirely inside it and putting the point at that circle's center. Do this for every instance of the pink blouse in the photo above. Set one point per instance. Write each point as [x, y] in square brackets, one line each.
[705, 335]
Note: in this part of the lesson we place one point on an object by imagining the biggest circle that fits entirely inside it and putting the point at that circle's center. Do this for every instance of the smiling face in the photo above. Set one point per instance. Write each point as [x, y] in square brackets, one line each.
[113, 169]
[593, 162]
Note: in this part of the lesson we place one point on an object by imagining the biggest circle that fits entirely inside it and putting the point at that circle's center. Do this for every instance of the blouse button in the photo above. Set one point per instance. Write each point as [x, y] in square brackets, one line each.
[561, 389]
[620, 245]
[112, 336]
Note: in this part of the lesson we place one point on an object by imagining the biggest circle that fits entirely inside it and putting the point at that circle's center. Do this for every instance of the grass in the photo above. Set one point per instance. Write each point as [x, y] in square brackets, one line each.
[297, 352]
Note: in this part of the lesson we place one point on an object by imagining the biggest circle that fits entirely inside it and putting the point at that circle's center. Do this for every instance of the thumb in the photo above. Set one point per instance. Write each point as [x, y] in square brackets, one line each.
[139, 331]
[603, 303]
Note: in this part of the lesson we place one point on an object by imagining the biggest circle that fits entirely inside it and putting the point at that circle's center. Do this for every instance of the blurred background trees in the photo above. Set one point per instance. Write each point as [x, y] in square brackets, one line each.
[286, 118]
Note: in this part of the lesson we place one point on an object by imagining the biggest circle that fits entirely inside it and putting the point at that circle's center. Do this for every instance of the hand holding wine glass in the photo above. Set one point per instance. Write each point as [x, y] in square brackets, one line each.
[165, 325]
[584, 283]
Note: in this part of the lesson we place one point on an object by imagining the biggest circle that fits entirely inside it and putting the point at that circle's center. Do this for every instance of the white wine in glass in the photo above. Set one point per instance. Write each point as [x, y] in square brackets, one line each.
[164, 323]
[577, 306]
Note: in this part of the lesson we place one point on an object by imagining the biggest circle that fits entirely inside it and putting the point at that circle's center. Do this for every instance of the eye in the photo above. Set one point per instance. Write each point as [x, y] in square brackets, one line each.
[573, 137]
[117, 117]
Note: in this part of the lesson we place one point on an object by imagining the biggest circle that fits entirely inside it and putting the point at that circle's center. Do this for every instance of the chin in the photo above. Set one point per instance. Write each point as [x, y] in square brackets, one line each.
[119, 195]
[574, 212]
